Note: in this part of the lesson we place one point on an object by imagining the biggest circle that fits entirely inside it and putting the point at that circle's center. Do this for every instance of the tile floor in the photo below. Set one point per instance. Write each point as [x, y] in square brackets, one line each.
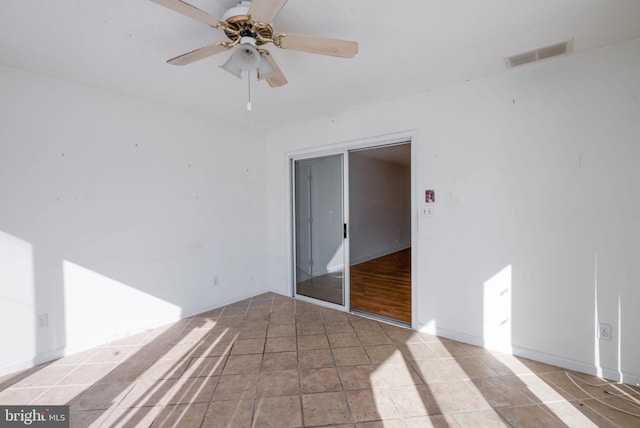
[272, 361]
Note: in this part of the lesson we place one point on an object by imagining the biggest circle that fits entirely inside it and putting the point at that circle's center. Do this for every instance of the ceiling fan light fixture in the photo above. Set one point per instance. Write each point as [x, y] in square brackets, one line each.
[245, 57]
[265, 69]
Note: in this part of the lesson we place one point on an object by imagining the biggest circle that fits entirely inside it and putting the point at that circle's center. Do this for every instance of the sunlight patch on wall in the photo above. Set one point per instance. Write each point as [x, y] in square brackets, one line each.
[99, 308]
[497, 311]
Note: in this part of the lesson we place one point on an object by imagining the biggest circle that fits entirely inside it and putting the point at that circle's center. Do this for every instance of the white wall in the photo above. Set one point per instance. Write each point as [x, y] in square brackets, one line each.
[115, 215]
[379, 207]
[536, 174]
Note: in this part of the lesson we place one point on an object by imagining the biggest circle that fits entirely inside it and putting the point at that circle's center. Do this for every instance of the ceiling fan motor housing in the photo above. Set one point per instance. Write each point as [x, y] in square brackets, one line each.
[242, 9]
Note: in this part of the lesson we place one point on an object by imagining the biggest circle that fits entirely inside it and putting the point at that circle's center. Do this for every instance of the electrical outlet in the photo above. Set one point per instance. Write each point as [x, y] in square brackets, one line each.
[216, 280]
[604, 331]
[43, 320]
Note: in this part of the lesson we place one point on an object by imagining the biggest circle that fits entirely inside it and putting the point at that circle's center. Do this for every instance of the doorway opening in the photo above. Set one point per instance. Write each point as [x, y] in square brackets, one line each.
[380, 231]
[353, 227]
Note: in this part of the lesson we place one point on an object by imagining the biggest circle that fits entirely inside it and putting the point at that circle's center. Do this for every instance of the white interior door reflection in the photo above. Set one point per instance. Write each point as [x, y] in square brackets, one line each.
[319, 220]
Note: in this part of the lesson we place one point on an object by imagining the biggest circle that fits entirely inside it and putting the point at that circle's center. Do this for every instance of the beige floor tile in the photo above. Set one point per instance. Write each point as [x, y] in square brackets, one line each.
[283, 318]
[325, 408]
[504, 391]
[310, 329]
[308, 317]
[282, 308]
[356, 377]
[343, 340]
[203, 367]
[401, 335]
[441, 370]
[112, 354]
[480, 419]
[315, 359]
[529, 416]
[242, 364]
[433, 421]
[393, 373]
[132, 417]
[259, 332]
[315, 341]
[319, 380]
[21, 396]
[575, 387]
[413, 400]
[380, 353]
[279, 361]
[539, 390]
[46, 376]
[576, 414]
[418, 351]
[88, 418]
[274, 361]
[126, 371]
[181, 415]
[280, 330]
[248, 346]
[193, 390]
[215, 348]
[229, 414]
[281, 344]
[475, 368]
[60, 395]
[147, 393]
[449, 349]
[88, 374]
[371, 405]
[374, 338]
[102, 396]
[458, 396]
[604, 407]
[329, 315]
[352, 356]
[78, 357]
[285, 382]
[281, 411]
[338, 327]
[165, 369]
[236, 387]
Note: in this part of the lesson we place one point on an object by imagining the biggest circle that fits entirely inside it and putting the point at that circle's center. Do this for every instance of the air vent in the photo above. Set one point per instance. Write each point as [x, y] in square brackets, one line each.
[539, 54]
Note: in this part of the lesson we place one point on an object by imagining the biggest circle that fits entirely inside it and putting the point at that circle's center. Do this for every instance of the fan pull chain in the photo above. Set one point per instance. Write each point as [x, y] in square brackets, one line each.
[249, 88]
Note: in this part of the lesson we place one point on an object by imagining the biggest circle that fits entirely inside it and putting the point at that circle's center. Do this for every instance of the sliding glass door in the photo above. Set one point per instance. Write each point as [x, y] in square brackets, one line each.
[319, 228]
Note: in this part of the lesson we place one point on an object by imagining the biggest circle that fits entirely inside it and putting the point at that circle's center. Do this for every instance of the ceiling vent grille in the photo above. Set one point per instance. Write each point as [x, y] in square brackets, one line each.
[539, 54]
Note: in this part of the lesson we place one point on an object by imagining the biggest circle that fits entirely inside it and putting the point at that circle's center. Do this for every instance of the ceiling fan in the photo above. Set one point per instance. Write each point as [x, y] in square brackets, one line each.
[248, 27]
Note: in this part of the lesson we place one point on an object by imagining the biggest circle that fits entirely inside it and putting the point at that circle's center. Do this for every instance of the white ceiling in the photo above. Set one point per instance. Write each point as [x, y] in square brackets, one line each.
[405, 47]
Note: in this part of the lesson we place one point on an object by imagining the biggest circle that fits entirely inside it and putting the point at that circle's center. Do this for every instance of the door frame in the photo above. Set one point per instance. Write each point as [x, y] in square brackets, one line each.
[344, 148]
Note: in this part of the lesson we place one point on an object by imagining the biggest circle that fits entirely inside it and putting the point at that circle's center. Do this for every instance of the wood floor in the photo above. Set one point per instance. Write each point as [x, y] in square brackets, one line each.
[383, 286]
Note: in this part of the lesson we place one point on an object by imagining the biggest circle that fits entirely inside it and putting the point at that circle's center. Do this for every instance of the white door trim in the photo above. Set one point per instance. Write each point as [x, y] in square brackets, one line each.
[344, 148]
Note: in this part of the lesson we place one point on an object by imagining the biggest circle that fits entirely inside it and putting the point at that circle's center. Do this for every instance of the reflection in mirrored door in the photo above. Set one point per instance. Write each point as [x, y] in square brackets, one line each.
[319, 222]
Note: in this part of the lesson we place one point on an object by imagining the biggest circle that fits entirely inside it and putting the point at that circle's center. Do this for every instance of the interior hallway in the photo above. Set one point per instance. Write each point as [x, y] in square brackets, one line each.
[275, 361]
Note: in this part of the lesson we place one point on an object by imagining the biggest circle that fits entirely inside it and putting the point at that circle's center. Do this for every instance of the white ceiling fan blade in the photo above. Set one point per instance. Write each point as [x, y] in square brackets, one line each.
[198, 54]
[265, 10]
[190, 11]
[276, 79]
[318, 45]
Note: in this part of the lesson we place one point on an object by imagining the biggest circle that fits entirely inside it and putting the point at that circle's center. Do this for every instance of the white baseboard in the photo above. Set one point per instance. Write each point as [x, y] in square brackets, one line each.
[366, 258]
[55, 354]
[554, 360]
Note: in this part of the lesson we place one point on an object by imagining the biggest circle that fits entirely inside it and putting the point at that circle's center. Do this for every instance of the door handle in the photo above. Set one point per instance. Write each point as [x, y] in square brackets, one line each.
[345, 231]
